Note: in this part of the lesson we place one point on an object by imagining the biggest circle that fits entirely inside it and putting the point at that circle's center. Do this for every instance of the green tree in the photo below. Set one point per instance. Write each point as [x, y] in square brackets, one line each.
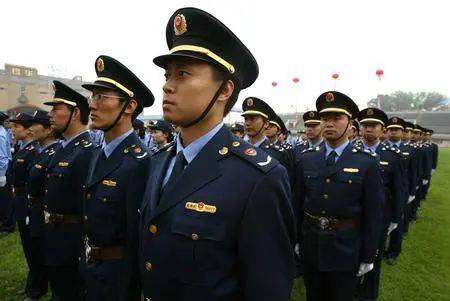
[406, 101]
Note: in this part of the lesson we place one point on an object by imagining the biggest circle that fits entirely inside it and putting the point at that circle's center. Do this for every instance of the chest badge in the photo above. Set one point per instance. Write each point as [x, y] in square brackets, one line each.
[201, 207]
[63, 164]
[109, 183]
[351, 170]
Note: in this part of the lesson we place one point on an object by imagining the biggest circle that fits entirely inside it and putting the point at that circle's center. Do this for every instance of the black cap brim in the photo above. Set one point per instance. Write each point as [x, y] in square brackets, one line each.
[97, 85]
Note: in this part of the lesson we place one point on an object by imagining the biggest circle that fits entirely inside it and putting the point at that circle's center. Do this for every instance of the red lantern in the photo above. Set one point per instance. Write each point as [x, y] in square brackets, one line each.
[274, 84]
[295, 80]
[379, 73]
[335, 76]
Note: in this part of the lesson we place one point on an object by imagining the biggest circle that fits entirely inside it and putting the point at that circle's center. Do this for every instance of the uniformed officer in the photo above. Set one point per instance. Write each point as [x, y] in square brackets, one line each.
[238, 130]
[258, 116]
[313, 131]
[432, 152]
[21, 163]
[139, 128]
[338, 195]
[353, 134]
[115, 183]
[66, 177]
[6, 224]
[373, 122]
[395, 128]
[161, 132]
[48, 144]
[216, 222]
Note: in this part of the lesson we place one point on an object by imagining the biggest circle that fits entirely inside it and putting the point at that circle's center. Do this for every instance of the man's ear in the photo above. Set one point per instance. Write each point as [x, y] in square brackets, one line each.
[266, 124]
[227, 91]
[131, 107]
[76, 115]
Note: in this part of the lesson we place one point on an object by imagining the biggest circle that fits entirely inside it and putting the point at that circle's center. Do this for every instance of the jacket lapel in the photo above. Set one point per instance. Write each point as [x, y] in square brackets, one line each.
[154, 183]
[97, 173]
[345, 157]
[202, 170]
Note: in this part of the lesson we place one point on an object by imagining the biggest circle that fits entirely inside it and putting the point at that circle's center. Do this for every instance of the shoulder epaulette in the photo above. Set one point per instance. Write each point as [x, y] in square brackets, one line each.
[357, 149]
[254, 156]
[136, 151]
[30, 147]
[165, 148]
[84, 143]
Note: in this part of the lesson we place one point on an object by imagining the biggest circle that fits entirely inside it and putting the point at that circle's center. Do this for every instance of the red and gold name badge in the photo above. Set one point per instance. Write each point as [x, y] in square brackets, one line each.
[329, 97]
[179, 24]
[109, 183]
[200, 207]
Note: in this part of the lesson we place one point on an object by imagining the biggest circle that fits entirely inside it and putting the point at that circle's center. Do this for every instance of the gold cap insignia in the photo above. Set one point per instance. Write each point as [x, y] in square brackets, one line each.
[100, 65]
[236, 143]
[179, 24]
[250, 152]
[369, 112]
[137, 150]
[250, 102]
[394, 119]
[329, 97]
[311, 114]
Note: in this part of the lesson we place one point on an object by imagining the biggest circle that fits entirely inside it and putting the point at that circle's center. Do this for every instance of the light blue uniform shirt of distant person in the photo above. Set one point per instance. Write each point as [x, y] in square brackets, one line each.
[339, 150]
[372, 148]
[258, 143]
[5, 151]
[65, 142]
[97, 136]
[108, 148]
[192, 150]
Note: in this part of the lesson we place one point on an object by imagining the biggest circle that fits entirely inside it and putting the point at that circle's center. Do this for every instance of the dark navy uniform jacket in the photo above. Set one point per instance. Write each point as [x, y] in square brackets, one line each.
[21, 164]
[435, 154]
[225, 232]
[36, 188]
[66, 177]
[114, 190]
[390, 160]
[350, 189]
[279, 153]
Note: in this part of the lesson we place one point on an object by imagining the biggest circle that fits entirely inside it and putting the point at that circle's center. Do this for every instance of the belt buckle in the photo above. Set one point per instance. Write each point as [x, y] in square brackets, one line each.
[88, 251]
[46, 217]
[324, 223]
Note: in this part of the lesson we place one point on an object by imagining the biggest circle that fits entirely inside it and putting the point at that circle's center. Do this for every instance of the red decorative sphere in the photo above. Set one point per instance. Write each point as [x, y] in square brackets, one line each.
[296, 79]
[335, 76]
[274, 84]
[379, 72]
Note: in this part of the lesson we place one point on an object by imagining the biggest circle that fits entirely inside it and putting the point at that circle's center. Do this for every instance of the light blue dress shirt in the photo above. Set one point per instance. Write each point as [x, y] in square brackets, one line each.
[65, 142]
[192, 150]
[339, 150]
[108, 148]
[258, 143]
[5, 151]
[372, 148]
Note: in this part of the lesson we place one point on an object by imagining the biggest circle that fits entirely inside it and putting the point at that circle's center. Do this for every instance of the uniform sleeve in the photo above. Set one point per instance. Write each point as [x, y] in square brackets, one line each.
[435, 155]
[397, 191]
[371, 212]
[267, 240]
[298, 198]
[4, 158]
[412, 172]
[135, 190]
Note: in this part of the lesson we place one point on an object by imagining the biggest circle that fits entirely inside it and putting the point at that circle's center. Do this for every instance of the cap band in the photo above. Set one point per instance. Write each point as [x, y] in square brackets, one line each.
[250, 112]
[409, 128]
[336, 110]
[117, 84]
[275, 123]
[372, 120]
[395, 126]
[206, 52]
[312, 121]
[68, 102]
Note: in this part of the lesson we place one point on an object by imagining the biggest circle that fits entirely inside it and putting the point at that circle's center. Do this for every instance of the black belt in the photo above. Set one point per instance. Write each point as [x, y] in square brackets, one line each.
[20, 191]
[56, 219]
[328, 223]
[95, 253]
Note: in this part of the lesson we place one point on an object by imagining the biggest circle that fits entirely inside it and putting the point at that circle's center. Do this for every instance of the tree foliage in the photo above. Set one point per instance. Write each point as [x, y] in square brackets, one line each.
[408, 101]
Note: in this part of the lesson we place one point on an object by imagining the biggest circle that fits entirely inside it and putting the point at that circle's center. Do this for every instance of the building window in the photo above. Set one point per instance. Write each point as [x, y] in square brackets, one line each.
[28, 72]
[15, 71]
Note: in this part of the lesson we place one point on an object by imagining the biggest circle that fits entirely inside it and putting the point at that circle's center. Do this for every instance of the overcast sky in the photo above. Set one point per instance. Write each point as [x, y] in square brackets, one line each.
[310, 40]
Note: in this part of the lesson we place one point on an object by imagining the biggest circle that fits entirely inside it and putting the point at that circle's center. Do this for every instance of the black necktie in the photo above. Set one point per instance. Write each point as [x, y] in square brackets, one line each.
[178, 167]
[331, 159]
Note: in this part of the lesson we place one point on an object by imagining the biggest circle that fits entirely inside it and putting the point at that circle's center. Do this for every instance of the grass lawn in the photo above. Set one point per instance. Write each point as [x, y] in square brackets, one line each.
[421, 273]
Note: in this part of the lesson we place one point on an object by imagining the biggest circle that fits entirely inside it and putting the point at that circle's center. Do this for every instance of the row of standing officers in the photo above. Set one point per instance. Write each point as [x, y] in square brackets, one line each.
[209, 216]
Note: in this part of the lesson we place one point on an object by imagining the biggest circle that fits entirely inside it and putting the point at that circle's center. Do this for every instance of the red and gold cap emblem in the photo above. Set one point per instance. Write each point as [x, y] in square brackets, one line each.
[369, 112]
[100, 65]
[329, 97]
[250, 102]
[179, 24]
